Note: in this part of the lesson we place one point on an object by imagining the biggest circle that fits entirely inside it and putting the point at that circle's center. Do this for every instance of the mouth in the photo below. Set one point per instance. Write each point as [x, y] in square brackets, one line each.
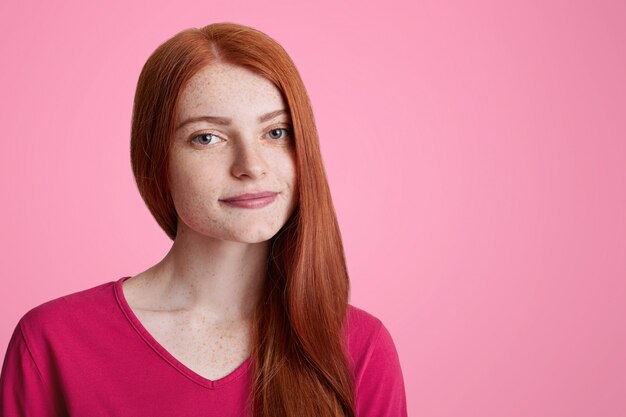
[251, 196]
[250, 201]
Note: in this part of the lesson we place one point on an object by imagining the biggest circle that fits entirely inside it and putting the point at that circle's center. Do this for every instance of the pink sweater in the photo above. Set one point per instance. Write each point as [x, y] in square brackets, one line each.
[87, 354]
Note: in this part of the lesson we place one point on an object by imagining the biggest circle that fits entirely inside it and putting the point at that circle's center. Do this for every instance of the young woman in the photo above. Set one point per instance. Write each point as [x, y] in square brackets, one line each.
[248, 313]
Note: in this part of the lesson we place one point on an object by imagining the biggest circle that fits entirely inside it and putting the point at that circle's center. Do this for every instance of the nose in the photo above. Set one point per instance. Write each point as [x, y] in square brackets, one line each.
[249, 160]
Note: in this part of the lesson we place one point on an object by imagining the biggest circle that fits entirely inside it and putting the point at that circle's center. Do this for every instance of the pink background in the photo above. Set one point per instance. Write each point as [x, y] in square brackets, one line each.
[476, 153]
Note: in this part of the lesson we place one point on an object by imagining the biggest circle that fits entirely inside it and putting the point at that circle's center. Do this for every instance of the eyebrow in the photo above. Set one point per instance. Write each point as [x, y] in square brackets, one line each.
[225, 121]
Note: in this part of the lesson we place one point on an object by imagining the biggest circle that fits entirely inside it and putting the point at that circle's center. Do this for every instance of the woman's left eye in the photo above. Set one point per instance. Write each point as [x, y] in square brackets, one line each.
[276, 133]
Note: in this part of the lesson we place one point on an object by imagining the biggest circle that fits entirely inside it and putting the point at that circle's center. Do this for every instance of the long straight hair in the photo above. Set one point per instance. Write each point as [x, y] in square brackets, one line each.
[301, 366]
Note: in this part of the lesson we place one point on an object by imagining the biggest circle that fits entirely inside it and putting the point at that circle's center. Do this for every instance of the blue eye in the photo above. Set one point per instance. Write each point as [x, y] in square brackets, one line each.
[202, 136]
[273, 133]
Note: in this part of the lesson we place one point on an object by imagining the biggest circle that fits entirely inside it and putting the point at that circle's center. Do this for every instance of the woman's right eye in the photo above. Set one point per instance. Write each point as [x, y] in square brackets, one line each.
[204, 139]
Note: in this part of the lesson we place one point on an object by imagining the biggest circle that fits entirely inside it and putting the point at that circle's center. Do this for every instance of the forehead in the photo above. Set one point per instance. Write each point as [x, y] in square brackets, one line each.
[229, 91]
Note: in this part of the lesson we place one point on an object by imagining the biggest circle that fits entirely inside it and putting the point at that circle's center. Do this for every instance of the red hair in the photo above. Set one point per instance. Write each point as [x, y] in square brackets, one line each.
[300, 361]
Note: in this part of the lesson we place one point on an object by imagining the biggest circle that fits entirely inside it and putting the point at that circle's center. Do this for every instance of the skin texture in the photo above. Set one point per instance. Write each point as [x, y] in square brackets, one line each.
[244, 157]
[198, 300]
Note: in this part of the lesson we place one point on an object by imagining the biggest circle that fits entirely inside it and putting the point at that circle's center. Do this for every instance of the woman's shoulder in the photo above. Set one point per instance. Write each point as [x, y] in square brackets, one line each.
[364, 332]
[70, 309]
[360, 323]
[375, 364]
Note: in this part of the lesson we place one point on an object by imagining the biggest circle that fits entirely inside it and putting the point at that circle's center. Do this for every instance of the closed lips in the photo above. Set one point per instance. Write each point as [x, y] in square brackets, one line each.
[251, 196]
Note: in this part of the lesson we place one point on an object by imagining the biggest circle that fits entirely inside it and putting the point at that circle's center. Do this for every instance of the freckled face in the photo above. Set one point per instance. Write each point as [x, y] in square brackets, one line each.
[214, 159]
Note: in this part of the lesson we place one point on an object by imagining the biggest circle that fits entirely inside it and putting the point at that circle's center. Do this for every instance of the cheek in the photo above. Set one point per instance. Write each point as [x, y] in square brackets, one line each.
[293, 177]
[286, 167]
[196, 203]
[289, 177]
[193, 189]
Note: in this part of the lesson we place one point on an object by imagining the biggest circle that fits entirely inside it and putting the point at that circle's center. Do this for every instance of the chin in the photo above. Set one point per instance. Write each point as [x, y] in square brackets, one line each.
[253, 236]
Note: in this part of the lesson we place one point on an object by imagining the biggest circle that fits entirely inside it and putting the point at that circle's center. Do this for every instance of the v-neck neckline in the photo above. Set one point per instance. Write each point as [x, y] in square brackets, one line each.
[165, 354]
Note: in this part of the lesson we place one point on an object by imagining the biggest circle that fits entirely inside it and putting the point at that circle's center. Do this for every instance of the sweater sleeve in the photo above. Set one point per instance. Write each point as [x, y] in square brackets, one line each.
[380, 390]
[24, 391]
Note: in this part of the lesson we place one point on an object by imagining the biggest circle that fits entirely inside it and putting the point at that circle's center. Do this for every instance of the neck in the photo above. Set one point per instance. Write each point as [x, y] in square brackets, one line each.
[217, 278]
